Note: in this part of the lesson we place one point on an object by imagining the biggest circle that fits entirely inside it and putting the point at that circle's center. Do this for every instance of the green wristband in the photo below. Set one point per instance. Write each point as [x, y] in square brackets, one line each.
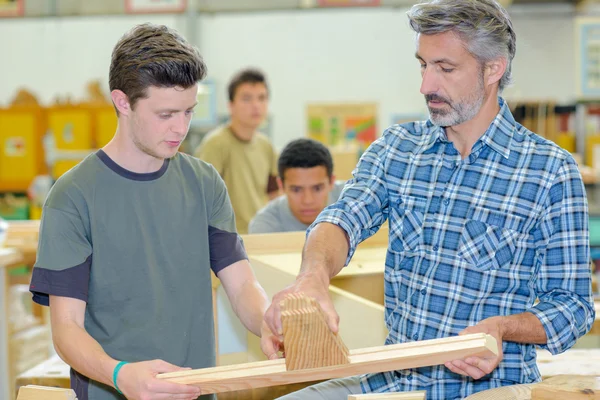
[116, 373]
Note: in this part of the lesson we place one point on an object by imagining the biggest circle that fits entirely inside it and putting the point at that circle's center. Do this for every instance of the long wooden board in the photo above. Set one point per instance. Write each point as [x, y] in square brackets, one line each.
[376, 359]
[293, 242]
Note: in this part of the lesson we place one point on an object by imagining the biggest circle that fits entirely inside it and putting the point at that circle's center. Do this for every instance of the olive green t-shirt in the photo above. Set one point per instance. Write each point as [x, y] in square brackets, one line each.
[138, 249]
[248, 169]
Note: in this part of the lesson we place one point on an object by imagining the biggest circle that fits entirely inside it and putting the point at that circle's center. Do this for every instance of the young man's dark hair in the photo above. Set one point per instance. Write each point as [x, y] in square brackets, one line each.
[304, 153]
[249, 75]
[153, 55]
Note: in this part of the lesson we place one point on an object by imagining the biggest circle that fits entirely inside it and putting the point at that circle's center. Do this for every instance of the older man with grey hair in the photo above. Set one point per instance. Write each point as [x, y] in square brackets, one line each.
[488, 221]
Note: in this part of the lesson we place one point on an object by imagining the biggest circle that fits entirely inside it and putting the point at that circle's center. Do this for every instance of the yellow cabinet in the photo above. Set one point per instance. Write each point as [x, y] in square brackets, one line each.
[71, 129]
[106, 125]
[21, 156]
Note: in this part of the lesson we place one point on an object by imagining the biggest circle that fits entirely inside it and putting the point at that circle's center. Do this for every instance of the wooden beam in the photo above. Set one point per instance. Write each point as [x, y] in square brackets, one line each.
[32, 392]
[376, 359]
[309, 343]
[293, 242]
[417, 395]
[572, 387]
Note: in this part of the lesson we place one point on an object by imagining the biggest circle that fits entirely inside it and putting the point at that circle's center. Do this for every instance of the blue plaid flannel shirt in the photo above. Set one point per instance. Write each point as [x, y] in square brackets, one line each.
[471, 239]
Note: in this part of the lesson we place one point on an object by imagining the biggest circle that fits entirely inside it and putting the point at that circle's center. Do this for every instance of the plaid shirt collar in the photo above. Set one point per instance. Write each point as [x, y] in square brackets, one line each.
[498, 136]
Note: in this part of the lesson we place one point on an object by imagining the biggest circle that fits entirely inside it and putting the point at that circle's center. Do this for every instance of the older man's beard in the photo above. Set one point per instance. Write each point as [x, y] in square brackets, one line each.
[458, 112]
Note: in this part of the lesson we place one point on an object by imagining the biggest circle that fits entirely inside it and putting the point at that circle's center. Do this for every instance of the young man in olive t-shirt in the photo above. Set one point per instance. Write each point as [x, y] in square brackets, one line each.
[128, 237]
[244, 157]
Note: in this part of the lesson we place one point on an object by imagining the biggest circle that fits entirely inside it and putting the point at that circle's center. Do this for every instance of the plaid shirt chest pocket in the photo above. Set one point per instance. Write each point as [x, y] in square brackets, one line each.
[406, 222]
[489, 239]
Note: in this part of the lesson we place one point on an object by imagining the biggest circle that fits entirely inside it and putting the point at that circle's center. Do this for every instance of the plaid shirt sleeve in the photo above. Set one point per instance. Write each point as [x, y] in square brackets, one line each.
[566, 306]
[363, 205]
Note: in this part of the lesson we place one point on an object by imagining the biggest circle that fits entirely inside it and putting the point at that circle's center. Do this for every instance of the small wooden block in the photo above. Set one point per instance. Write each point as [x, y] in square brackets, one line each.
[32, 392]
[572, 387]
[308, 341]
[417, 395]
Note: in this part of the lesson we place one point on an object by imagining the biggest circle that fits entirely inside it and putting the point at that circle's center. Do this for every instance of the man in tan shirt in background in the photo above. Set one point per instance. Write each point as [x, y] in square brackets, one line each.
[244, 157]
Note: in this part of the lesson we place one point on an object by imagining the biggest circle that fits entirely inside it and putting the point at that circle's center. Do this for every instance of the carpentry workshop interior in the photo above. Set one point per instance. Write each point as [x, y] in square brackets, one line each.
[164, 163]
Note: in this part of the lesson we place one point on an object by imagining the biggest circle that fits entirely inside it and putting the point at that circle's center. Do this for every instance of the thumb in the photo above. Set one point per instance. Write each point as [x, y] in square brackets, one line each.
[161, 366]
[268, 347]
[333, 319]
[468, 330]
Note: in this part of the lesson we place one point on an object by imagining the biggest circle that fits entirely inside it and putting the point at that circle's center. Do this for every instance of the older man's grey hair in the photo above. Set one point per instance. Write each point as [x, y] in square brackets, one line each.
[484, 26]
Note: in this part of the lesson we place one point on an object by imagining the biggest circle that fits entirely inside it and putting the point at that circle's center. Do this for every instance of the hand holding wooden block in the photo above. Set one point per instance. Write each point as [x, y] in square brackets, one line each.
[308, 341]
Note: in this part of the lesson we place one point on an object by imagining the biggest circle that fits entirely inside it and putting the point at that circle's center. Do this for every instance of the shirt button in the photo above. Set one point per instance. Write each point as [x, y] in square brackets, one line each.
[423, 291]
[415, 336]
[446, 201]
[435, 248]
[409, 377]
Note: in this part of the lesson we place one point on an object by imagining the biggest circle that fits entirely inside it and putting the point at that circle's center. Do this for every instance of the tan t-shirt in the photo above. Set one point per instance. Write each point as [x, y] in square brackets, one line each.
[246, 168]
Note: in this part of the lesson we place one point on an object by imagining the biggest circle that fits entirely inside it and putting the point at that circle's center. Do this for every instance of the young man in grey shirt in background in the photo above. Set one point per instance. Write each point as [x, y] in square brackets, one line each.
[306, 178]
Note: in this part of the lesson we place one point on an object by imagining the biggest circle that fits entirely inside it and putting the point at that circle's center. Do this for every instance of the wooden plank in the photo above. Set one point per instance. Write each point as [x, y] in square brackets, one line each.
[52, 372]
[45, 393]
[581, 361]
[572, 387]
[366, 261]
[269, 243]
[9, 257]
[23, 236]
[416, 395]
[309, 343]
[293, 242]
[377, 359]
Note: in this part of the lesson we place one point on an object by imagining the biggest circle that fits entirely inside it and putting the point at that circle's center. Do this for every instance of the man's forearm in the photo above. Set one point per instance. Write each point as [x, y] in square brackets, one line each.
[523, 328]
[250, 305]
[324, 253]
[78, 349]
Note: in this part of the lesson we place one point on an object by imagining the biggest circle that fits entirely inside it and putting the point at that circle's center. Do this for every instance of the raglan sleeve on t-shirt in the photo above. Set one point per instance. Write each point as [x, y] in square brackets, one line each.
[226, 246]
[64, 255]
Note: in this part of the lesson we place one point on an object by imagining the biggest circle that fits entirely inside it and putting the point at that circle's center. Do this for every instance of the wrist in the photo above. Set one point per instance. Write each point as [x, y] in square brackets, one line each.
[502, 326]
[318, 275]
[116, 373]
